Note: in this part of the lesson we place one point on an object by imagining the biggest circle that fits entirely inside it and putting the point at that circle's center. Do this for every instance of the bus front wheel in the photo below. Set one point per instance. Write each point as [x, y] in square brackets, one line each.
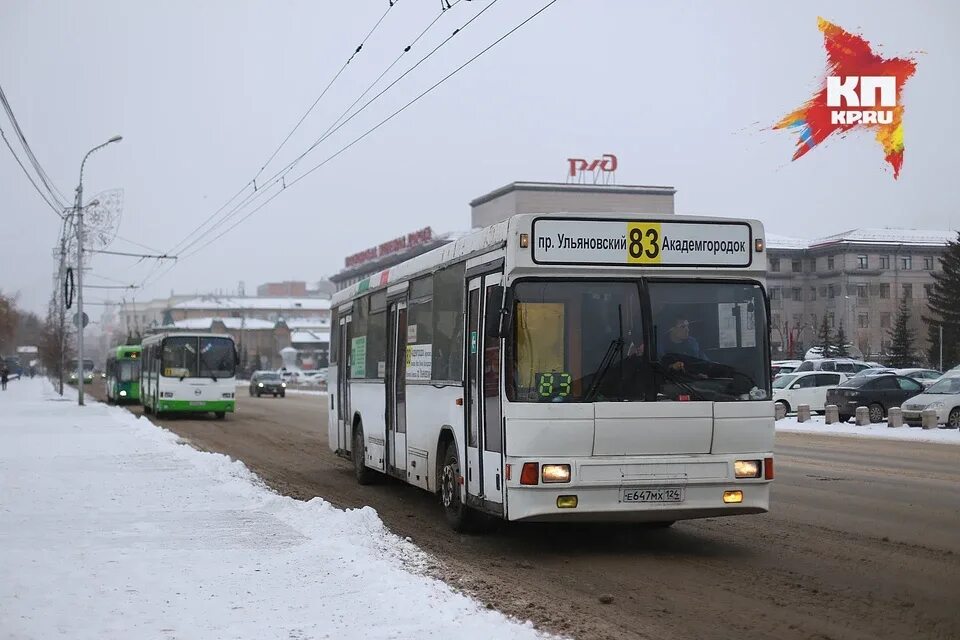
[220, 414]
[460, 517]
[363, 474]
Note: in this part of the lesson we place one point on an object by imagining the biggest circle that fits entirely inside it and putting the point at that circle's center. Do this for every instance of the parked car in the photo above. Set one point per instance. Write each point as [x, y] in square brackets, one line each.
[794, 389]
[844, 365]
[781, 367]
[315, 378]
[943, 396]
[926, 377]
[267, 382]
[877, 371]
[878, 393]
[290, 375]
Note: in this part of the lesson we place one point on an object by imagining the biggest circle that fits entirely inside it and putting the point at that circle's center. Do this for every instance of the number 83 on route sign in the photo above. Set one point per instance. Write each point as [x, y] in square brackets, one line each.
[643, 243]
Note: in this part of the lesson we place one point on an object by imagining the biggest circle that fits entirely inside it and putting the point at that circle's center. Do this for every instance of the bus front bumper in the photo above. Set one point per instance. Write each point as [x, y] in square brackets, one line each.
[639, 489]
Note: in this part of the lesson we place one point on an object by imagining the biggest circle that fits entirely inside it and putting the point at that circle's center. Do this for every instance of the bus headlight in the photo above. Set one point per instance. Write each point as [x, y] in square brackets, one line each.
[746, 469]
[259, 384]
[556, 473]
[123, 393]
[283, 384]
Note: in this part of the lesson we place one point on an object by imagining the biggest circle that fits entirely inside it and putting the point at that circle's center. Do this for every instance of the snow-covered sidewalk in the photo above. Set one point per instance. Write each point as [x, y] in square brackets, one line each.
[111, 529]
[817, 425]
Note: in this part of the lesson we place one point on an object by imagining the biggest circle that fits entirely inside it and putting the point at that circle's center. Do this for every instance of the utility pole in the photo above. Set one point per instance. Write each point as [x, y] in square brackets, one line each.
[941, 347]
[62, 303]
[79, 209]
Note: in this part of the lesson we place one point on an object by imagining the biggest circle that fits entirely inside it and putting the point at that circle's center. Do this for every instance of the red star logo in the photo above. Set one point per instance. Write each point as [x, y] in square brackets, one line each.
[848, 57]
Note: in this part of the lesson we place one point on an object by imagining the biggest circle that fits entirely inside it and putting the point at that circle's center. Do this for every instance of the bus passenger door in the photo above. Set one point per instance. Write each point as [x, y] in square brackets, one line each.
[484, 432]
[489, 369]
[343, 389]
[396, 389]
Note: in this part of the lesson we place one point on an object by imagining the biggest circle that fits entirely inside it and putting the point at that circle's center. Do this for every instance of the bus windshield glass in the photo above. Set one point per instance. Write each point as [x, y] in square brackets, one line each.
[217, 358]
[710, 340]
[129, 370]
[586, 341]
[193, 357]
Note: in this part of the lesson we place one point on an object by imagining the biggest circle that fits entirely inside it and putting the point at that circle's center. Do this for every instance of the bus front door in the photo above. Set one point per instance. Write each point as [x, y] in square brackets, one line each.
[343, 388]
[484, 430]
[396, 389]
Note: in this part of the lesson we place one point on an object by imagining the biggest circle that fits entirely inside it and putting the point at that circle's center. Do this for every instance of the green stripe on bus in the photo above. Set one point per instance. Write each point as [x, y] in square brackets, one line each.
[196, 405]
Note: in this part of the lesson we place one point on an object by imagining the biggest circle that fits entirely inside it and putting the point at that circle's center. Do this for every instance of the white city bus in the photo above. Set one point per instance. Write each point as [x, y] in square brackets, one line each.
[188, 373]
[565, 366]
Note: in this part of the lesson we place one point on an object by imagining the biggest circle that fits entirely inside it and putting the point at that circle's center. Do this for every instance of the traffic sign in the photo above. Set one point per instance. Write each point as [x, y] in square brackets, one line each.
[76, 319]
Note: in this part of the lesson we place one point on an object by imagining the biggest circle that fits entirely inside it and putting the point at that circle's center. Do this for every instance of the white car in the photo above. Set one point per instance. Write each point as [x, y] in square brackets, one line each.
[926, 377]
[810, 388]
[843, 365]
[783, 367]
[943, 396]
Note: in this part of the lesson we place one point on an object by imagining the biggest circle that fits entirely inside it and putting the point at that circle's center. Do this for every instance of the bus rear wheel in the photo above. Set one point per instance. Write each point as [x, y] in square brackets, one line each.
[460, 517]
[220, 414]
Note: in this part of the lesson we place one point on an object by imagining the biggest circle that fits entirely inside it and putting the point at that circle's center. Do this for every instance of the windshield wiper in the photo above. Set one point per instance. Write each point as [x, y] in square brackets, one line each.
[203, 362]
[615, 345]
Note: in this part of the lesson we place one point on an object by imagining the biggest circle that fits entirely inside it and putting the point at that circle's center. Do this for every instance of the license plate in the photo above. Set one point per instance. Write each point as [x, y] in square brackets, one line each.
[197, 403]
[660, 494]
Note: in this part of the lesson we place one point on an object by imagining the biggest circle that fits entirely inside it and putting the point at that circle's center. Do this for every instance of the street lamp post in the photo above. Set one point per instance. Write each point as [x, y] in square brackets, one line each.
[79, 209]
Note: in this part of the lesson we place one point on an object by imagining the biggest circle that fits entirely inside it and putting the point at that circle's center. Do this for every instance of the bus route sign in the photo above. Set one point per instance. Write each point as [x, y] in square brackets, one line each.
[591, 241]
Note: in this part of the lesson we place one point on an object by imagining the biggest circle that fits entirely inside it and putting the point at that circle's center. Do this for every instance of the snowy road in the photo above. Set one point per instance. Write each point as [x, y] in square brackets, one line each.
[863, 541]
[110, 528]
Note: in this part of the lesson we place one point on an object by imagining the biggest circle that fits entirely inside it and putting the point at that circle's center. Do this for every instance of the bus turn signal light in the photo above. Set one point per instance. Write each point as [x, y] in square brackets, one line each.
[732, 497]
[566, 502]
[524, 241]
[768, 468]
[530, 474]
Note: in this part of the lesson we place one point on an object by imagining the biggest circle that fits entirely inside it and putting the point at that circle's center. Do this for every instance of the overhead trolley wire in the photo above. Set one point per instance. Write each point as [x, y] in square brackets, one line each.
[280, 176]
[55, 194]
[372, 129]
[253, 181]
[29, 177]
[358, 139]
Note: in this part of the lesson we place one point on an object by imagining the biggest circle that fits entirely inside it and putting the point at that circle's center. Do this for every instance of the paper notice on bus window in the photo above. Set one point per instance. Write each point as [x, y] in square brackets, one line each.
[412, 333]
[419, 361]
[358, 357]
[381, 368]
[540, 344]
[727, 325]
[748, 326]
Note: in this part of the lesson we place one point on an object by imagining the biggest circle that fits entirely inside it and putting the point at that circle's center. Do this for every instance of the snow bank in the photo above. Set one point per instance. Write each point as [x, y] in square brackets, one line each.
[110, 529]
[817, 425]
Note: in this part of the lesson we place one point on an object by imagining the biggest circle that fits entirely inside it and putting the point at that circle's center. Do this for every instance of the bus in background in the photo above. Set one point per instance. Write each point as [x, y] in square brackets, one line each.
[123, 374]
[565, 367]
[88, 368]
[188, 373]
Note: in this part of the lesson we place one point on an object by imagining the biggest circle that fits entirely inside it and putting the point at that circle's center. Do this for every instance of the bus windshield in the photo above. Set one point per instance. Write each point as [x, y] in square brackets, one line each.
[129, 370]
[588, 341]
[193, 357]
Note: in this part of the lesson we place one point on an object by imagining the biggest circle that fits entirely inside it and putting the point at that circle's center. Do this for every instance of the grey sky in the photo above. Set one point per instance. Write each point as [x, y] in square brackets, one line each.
[683, 93]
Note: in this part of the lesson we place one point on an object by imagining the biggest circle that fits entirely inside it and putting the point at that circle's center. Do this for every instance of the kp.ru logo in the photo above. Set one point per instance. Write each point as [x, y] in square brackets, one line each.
[846, 88]
[861, 89]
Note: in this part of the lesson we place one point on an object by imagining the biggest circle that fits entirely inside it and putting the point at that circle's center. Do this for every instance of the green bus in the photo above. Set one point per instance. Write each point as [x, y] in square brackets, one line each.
[123, 374]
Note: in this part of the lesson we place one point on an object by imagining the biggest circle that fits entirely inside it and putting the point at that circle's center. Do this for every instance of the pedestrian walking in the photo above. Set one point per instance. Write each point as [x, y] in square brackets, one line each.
[4, 376]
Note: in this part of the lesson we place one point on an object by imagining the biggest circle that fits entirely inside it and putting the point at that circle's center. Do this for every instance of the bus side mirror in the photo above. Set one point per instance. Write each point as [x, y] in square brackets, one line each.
[496, 321]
